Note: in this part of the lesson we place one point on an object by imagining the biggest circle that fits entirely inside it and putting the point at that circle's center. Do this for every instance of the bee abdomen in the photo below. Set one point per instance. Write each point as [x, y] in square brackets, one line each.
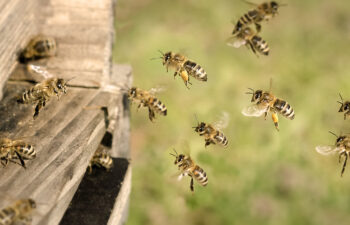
[246, 19]
[26, 97]
[260, 45]
[200, 176]
[284, 108]
[6, 216]
[158, 106]
[195, 70]
[26, 151]
[221, 138]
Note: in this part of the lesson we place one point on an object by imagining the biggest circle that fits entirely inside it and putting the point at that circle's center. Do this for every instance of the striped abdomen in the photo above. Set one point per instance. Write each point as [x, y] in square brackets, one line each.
[28, 97]
[284, 108]
[260, 45]
[220, 138]
[200, 176]
[195, 70]
[157, 106]
[7, 216]
[26, 151]
[103, 160]
[248, 18]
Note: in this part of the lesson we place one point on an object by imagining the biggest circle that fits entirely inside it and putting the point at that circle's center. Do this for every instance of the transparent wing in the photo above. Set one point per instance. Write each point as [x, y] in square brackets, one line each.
[114, 89]
[222, 123]
[156, 90]
[235, 42]
[254, 110]
[327, 149]
[34, 69]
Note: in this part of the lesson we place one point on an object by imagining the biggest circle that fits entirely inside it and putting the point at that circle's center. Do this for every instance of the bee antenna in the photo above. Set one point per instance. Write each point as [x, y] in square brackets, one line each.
[161, 52]
[283, 4]
[195, 116]
[175, 153]
[156, 58]
[333, 133]
[71, 79]
[341, 98]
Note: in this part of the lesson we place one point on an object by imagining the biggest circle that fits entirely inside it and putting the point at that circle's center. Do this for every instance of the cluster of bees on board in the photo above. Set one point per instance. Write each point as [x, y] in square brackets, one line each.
[263, 103]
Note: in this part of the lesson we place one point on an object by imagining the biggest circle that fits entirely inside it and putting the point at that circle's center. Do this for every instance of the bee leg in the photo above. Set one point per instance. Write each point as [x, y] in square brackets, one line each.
[275, 120]
[191, 185]
[340, 155]
[151, 115]
[346, 159]
[38, 108]
[207, 142]
[252, 48]
[258, 27]
[90, 168]
[4, 162]
[21, 160]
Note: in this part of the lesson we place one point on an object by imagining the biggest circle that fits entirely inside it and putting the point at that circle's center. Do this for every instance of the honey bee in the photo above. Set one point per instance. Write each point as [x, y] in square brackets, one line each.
[188, 167]
[345, 107]
[267, 102]
[43, 91]
[250, 39]
[38, 47]
[264, 11]
[101, 159]
[147, 99]
[184, 67]
[212, 133]
[11, 150]
[20, 211]
[342, 146]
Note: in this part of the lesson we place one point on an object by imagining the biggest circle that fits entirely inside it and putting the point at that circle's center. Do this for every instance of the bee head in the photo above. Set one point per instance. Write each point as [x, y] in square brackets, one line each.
[344, 106]
[179, 158]
[61, 85]
[256, 94]
[166, 57]
[340, 139]
[32, 203]
[200, 128]
[132, 92]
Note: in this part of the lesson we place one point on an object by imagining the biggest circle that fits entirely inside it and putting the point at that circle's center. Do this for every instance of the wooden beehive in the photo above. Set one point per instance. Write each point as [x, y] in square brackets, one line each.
[67, 132]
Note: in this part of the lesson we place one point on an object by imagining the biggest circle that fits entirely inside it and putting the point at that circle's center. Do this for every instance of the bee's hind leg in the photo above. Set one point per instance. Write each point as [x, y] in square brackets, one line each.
[258, 27]
[191, 185]
[344, 165]
[275, 120]
[38, 107]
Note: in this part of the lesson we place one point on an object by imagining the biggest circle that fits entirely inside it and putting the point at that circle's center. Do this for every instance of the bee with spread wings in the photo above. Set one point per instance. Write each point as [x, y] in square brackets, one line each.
[342, 147]
[42, 92]
[267, 102]
[212, 132]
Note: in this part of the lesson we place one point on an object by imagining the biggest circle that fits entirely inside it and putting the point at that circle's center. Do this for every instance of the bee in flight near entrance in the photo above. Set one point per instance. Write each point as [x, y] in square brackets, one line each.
[267, 102]
[38, 47]
[263, 12]
[250, 39]
[183, 66]
[19, 212]
[101, 159]
[212, 132]
[147, 99]
[345, 107]
[187, 167]
[342, 147]
[12, 150]
[43, 91]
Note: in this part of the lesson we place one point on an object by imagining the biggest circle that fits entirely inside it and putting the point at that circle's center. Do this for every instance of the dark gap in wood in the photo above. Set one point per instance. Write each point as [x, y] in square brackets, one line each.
[96, 195]
[107, 139]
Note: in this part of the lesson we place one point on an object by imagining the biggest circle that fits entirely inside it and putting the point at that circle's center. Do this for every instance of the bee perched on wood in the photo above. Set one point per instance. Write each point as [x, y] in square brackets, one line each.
[184, 67]
[212, 133]
[43, 91]
[101, 159]
[19, 212]
[188, 167]
[264, 11]
[38, 47]
[267, 102]
[345, 107]
[12, 150]
[342, 146]
[250, 39]
[147, 99]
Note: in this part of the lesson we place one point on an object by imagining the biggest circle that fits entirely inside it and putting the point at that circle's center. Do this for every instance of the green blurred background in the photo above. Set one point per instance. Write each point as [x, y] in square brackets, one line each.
[263, 176]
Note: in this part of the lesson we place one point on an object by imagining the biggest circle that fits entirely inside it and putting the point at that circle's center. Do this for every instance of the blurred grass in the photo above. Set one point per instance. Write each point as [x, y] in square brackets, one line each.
[264, 176]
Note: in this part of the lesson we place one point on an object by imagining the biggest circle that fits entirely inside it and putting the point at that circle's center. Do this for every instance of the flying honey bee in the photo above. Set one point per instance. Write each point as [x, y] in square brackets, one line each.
[263, 12]
[267, 102]
[212, 133]
[250, 39]
[101, 159]
[342, 146]
[38, 47]
[43, 91]
[19, 212]
[345, 107]
[12, 150]
[188, 167]
[183, 66]
[147, 99]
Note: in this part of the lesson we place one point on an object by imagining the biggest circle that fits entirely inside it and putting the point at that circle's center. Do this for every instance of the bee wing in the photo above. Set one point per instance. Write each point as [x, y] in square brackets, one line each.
[114, 89]
[235, 42]
[327, 149]
[222, 123]
[156, 90]
[35, 69]
[254, 110]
